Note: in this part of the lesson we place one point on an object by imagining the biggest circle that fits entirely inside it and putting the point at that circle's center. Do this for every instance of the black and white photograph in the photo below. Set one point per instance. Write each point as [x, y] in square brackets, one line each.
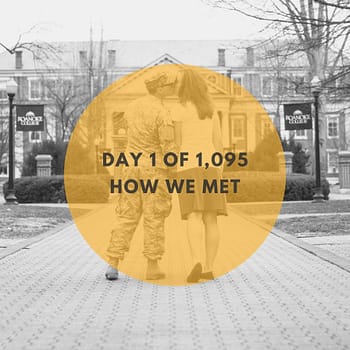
[175, 175]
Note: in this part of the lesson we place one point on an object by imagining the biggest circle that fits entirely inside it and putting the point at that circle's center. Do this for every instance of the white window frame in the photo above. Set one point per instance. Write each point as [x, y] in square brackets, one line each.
[300, 137]
[262, 85]
[4, 167]
[30, 81]
[295, 77]
[36, 140]
[286, 79]
[329, 120]
[45, 88]
[233, 88]
[83, 61]
[235, 139]
[328, 152]
[3, 82]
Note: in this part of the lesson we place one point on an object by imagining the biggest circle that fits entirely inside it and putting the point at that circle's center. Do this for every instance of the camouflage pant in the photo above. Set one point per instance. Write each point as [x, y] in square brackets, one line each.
[155, 207]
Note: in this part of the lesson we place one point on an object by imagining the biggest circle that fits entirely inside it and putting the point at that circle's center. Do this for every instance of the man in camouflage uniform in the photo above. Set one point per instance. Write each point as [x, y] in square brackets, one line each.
[150, 130]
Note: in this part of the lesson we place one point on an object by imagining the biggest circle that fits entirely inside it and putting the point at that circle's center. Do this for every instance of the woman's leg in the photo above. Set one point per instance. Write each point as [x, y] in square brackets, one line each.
[212, 237]
[194, 235]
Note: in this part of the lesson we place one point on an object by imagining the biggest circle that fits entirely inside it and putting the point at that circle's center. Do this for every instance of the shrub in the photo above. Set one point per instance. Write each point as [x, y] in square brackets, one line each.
[256, 186]
[266, 186]
[302, 187]
[83, 189]
[87, 188]
[34, 189]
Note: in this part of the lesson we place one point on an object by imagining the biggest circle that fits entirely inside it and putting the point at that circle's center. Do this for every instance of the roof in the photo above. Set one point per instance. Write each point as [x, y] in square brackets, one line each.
[137, 54]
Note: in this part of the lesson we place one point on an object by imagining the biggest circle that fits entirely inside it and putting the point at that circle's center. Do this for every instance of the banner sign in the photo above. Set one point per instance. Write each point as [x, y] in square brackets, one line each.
[30, 118]
[297, 116]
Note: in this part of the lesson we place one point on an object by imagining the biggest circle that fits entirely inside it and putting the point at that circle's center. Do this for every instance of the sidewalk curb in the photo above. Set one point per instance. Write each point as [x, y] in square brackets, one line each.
[323, 254]
[27, 242]
[326, 255]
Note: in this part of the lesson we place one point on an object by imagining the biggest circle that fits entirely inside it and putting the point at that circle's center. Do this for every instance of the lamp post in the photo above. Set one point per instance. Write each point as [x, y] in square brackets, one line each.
[316, 90]
[11, 89]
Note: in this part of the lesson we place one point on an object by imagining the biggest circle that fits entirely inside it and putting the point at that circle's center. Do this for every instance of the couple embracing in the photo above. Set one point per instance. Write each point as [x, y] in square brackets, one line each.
[194, 127]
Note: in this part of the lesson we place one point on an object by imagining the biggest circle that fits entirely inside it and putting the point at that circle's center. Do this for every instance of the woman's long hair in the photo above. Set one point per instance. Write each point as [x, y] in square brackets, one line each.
[194, 89]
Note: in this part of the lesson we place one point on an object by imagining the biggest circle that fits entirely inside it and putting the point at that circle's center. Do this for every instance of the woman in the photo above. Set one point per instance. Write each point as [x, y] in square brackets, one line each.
[197, 131]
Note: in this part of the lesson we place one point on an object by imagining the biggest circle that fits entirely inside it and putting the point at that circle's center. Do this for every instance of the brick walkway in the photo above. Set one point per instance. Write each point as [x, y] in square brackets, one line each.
[54, 296]
[339, 245]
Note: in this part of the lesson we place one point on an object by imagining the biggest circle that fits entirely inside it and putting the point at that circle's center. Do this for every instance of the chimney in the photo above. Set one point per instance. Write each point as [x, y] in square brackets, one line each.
[19, 61]
[250, 57]
[221, 57]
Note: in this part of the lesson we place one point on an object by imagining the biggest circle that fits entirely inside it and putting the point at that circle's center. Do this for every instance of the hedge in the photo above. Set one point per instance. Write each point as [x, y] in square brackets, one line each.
[253, 186]
[302, 187]
[266, 187]
[88, 188]
[83, 189]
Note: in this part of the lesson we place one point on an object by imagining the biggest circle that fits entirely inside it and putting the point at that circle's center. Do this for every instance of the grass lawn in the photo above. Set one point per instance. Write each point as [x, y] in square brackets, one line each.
[316, 226]
[22, 221]
[334, 206]
[321, 225]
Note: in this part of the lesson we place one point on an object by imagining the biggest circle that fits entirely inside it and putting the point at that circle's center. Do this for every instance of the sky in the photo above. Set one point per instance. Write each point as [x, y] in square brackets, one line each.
[122, 19]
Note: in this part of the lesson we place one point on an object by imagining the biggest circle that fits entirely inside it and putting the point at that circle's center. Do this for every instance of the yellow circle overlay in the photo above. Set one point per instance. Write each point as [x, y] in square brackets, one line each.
[97, 157]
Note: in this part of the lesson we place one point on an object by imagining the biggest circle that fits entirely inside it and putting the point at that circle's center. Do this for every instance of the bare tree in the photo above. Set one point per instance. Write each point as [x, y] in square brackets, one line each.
[319, 30]
[344, 5]
[68, 90]
[39, 49]
[67, 99]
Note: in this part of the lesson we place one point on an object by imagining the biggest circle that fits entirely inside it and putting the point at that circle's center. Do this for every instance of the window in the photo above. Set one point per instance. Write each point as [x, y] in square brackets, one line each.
[3, 93]
[332, 128]
[50, 125]
[34, 89]
[283, 86]
[67, 85]
[299, 83]
[50, 89]
[19, 62]
[332, 162]
[111, 58]
[238, 131]
[3, 169]
[331, 85]
[83, 59]
[267, 86]
[238, 128]
[237, 86]
[35, 136]
[300, 134]
[265, 127]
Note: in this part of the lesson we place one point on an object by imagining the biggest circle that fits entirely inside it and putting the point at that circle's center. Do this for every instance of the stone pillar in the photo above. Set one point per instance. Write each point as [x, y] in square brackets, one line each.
[285, 160]
[344, 170]
[43, 165]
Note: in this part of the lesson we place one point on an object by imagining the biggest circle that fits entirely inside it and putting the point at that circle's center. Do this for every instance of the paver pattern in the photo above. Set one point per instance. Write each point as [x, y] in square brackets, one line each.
[54, 296]
[339, 245]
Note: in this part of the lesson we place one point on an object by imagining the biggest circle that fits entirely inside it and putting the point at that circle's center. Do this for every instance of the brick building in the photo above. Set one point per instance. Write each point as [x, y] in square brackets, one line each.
[78, 71]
